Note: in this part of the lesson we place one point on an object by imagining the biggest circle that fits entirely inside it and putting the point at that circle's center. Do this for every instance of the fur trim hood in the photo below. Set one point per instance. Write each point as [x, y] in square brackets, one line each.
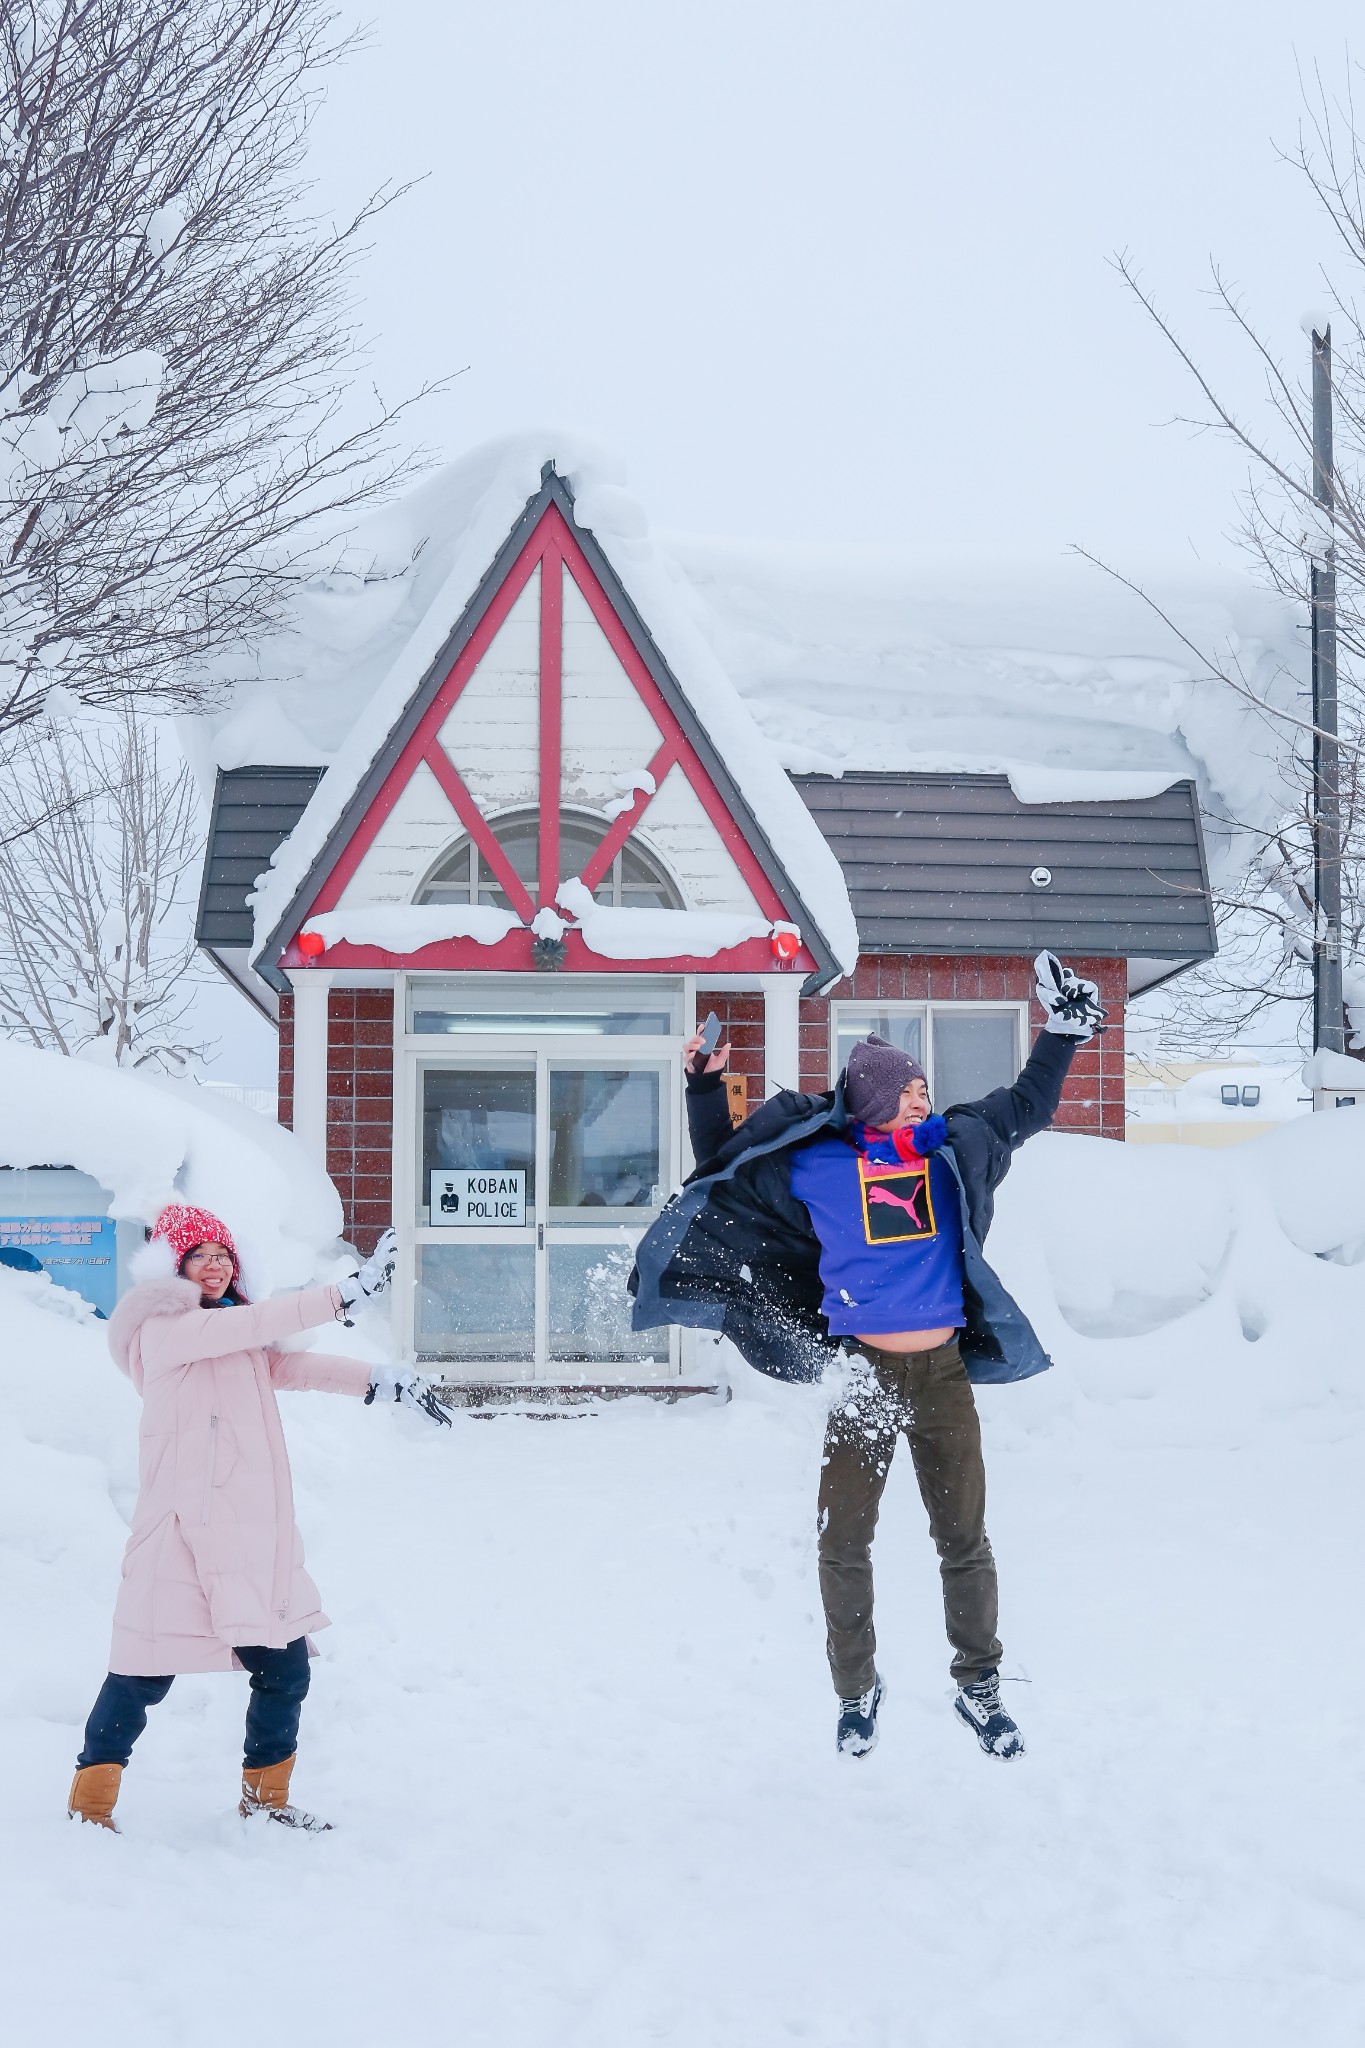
[166, 1295]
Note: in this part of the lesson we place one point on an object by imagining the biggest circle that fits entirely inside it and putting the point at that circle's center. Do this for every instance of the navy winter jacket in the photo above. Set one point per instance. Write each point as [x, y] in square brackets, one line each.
[735, 1250]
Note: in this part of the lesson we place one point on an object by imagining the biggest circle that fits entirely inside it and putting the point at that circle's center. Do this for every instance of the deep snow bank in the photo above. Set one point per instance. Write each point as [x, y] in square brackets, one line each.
[574, 1719]
[575, 1729]
[1110, 1241]
[150, 1140]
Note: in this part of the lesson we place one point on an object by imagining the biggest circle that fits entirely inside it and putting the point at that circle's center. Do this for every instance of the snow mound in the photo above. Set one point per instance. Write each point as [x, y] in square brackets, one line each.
[1131, 1239]
[604, 1639]
[406, 928]
[150, 1140]
[627, 934]
[1326, 1069]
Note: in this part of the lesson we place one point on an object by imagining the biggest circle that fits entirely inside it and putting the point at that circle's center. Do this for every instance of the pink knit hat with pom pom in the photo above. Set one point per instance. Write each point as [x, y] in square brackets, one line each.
[182, 1227]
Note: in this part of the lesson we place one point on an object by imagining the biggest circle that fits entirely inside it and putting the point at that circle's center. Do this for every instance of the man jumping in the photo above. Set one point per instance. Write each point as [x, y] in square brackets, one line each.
[853, 1222]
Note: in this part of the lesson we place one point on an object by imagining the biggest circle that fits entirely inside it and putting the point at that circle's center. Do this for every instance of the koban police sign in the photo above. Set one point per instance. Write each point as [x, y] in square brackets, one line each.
[471, 1196]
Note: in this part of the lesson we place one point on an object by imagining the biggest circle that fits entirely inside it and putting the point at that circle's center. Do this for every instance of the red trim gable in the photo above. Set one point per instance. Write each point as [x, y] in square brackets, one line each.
[550, 544]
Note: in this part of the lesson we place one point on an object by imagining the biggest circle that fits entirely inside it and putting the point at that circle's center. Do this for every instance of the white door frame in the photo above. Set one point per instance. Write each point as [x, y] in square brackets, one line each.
[412, 1055]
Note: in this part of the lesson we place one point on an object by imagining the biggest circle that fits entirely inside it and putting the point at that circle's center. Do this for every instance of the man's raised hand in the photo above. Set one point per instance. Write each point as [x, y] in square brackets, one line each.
[714, 1065]
[1073, 1006]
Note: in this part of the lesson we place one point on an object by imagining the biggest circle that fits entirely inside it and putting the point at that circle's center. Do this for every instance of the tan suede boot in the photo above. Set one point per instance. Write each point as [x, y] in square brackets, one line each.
[94, 1794]
[265, 1790]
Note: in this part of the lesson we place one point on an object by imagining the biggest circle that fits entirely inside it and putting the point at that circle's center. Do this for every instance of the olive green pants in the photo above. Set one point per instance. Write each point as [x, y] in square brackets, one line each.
[927, 1395]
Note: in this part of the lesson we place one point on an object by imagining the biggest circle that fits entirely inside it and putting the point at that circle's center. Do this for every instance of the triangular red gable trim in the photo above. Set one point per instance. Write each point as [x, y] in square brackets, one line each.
[550, 543]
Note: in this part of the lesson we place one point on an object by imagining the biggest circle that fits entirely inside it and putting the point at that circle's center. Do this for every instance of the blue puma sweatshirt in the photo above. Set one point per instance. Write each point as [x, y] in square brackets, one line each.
[889, 1221]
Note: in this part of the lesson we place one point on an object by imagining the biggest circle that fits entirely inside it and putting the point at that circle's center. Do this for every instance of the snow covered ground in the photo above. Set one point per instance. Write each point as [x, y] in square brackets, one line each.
[574, 1726]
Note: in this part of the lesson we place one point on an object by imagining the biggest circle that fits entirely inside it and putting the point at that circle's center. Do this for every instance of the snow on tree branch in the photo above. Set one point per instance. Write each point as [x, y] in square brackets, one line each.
[1268, 919]
[176, 341]
[100, 837]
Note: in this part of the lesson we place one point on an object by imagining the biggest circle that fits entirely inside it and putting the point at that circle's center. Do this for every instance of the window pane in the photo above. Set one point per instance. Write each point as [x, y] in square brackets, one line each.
[974, 1051]
[544, 1003]
[480, 1121]
[904, 1028]
[450, 883]
[585, 1023]
[578, 842]
[477, 1302]
[604, 1139]
[590, 1309]
[643, 884]
[519, 839]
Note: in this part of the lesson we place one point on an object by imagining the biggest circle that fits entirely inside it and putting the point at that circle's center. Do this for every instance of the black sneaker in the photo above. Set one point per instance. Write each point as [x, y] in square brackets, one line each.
[857, 1731]
[979, 1707]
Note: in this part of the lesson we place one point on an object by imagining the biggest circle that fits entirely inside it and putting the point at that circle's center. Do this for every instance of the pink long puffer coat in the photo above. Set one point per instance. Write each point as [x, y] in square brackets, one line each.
[214, 1558]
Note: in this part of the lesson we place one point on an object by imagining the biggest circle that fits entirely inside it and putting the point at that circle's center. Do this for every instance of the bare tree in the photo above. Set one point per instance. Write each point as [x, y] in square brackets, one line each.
[176, 340]
[100, 834]
[1268, 916]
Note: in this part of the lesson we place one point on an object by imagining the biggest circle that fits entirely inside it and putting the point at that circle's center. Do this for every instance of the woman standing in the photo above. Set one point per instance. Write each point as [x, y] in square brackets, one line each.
[213, 1576]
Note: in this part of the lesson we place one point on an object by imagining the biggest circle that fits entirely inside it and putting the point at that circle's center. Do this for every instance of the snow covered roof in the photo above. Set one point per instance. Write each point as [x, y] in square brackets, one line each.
[366, 635]
[1049, 672]
[837, 658]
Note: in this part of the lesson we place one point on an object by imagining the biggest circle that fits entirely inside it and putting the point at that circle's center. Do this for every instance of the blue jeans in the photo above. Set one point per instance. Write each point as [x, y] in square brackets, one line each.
[279, 1684]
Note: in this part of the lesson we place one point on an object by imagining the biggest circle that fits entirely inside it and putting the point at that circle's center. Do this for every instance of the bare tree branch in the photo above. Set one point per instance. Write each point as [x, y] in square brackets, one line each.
[100, 838]
[177, 346]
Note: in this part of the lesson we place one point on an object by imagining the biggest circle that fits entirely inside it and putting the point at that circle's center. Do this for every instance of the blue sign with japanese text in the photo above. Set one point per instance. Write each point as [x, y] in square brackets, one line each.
[78, 1252]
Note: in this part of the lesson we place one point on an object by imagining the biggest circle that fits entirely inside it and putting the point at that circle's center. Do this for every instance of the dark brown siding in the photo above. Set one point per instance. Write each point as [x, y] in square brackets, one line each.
[942, 863]
[254, 812]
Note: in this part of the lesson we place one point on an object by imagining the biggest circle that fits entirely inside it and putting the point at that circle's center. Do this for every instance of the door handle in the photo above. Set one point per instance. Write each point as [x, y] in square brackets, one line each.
[540, 1237]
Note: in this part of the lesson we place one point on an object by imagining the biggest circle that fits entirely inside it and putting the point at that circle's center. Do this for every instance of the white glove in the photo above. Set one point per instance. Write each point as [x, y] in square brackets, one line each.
[1073, 1006]
[412, 1389]
[374, 1276]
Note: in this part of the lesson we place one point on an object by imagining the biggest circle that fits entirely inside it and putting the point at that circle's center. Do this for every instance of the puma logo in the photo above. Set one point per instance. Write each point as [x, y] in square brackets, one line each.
[880, 1194]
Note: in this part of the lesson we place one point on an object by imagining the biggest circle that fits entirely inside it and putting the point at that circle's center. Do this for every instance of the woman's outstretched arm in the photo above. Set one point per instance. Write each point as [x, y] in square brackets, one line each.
[168, 1341]
[317, 1372]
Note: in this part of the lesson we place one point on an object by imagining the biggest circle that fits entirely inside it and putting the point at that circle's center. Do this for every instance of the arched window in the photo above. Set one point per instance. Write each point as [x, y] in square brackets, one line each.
[633, 880]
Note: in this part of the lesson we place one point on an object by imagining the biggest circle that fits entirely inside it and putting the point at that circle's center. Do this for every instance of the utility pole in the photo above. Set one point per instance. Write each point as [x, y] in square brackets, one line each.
[1329, 1031]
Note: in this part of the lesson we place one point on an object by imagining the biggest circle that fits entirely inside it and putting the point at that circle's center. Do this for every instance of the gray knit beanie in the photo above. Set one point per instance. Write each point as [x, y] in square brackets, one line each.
[876, 1077]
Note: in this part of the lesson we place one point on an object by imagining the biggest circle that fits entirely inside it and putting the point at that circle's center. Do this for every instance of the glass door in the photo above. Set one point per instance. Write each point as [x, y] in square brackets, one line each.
[605, 1175]
[539, 1169]
[476, 1256]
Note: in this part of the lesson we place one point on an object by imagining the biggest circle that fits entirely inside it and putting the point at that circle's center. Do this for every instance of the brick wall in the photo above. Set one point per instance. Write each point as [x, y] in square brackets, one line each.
[360, 1108]
[741, 1021]
[285, 1095]
[1093, 1099]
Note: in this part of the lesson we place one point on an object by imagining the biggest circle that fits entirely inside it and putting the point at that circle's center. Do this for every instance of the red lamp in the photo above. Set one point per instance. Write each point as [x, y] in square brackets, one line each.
[786, 944]
[311, 944]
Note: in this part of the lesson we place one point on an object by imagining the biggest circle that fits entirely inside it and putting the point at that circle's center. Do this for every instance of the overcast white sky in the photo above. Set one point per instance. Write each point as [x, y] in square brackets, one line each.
[839, 272]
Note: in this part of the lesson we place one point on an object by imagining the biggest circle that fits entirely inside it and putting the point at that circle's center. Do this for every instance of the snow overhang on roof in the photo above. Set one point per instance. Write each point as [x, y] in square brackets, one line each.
[394, 616]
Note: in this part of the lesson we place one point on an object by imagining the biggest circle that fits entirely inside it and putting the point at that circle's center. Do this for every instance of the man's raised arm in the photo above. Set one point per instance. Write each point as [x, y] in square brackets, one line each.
[708, 1105]
[1074, 1014]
